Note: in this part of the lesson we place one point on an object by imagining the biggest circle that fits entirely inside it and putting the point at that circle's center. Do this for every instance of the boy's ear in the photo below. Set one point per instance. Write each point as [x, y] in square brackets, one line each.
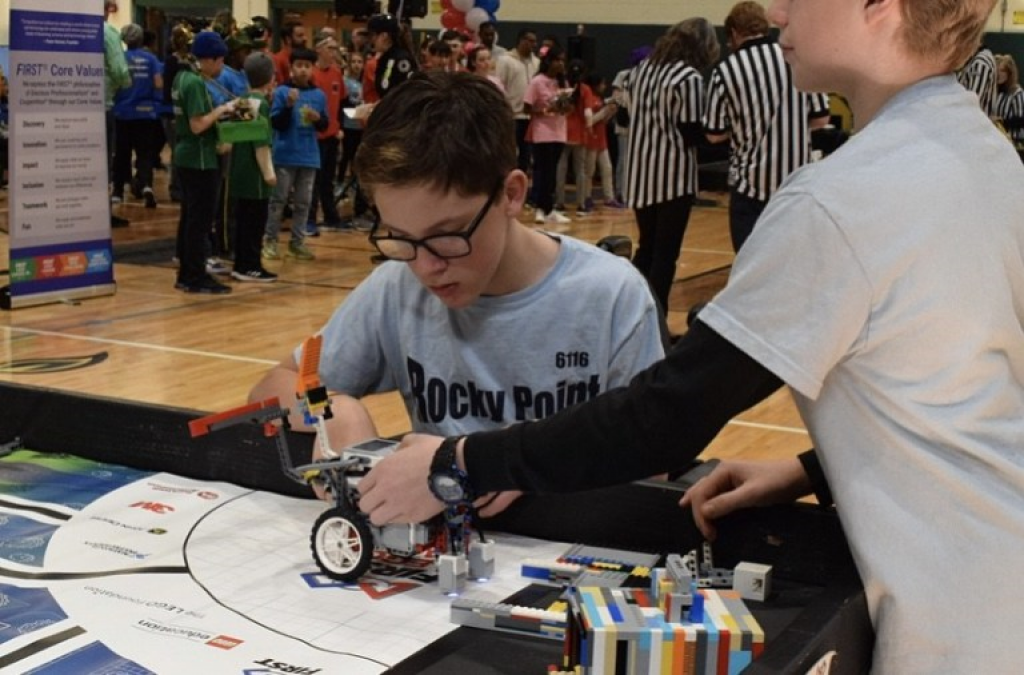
[874, 7]
[515, 191]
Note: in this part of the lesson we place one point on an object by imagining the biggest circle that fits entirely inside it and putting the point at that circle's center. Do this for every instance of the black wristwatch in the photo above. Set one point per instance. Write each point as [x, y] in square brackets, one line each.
[447, 481]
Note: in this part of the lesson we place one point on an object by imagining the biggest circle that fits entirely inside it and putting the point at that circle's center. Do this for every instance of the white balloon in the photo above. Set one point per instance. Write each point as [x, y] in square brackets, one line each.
[475, 17]
[463, 5]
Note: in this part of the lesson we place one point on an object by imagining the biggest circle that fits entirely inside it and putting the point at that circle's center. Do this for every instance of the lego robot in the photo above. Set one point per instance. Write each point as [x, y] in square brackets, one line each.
[342, 540]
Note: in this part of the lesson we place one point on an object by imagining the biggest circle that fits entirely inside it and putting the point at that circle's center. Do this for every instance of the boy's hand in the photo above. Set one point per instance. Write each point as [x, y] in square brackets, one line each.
[735, 485]
[396, 490]
[293, 96]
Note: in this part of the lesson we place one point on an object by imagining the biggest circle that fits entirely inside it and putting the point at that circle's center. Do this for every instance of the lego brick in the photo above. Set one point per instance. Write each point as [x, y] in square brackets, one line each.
[753, 581]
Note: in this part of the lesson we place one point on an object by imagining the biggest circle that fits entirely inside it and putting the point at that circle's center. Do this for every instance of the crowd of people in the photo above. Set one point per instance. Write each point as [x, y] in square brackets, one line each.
[639, 144]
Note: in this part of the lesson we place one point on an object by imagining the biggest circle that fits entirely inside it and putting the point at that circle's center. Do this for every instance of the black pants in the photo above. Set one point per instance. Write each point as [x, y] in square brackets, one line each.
[545, 165]
[323, 190]
[743, 215]
[250, 223]
[349, 146]
[144, 138]
[199, 188]
[525, 147]
[662, 227]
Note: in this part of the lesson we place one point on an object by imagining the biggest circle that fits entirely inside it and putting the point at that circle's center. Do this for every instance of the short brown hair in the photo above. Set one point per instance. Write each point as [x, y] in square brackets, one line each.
[948, 29]
[747, 19]
[452, 130]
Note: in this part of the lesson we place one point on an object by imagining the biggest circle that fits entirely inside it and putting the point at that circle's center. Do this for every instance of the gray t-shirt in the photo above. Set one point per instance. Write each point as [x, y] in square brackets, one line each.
[885, 286]
[590, 324]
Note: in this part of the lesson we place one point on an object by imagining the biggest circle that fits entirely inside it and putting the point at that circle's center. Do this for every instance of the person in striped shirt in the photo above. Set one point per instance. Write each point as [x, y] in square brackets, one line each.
[666, 94]
[1010, 98]
[751, 101]
[979, 75]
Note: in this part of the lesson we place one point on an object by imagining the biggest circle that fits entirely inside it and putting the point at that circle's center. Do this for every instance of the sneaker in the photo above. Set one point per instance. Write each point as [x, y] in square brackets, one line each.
[557, 218]
[116, 198]
[538, 217]
[362, 223]
[215, 266]
[270, 251]
[311, 231]
[259, 276]
[614, 204]
[582, 213]
[118, 221]
[339, 226]
[300, 251]
[149, 197]
[208, 286]
[588, 204]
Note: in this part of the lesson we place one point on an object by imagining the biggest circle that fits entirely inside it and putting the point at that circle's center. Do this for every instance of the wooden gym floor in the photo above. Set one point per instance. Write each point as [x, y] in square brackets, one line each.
[156, 345]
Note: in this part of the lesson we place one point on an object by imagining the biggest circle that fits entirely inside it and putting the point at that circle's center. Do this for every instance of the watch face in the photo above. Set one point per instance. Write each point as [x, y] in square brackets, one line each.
[446, 488]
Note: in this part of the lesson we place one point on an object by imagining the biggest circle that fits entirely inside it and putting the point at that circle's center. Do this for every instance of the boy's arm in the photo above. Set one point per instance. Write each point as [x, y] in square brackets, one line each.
[667, 415]
[281, 109]
[266, 164]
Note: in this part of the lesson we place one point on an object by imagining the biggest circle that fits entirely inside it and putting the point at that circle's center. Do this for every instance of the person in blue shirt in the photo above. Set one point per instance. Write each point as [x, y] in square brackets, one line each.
[137, 124]
[297, 114]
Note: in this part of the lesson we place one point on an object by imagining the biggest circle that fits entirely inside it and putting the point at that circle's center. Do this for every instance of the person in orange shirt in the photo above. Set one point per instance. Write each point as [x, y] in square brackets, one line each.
[331, 81]
[293, 36]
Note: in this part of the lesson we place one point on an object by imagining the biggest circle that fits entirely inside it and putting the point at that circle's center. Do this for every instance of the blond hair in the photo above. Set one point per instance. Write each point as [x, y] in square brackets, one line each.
[1012, 83]
[948, 29]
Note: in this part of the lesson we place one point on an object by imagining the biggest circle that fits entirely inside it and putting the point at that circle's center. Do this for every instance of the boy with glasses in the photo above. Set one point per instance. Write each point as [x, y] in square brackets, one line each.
[478, 320]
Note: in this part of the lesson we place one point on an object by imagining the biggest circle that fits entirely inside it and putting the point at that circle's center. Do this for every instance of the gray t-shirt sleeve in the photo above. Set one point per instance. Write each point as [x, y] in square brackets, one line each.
[798, 300]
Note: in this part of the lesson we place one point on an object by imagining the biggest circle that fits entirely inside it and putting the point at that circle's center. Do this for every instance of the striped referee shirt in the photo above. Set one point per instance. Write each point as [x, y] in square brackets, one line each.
[751, 97]
[979, 76]
[660, 165]
[1011, 107]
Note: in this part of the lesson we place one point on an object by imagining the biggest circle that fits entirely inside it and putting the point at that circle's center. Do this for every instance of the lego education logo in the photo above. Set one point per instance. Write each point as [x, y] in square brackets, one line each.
[189, 633]
[45, 366]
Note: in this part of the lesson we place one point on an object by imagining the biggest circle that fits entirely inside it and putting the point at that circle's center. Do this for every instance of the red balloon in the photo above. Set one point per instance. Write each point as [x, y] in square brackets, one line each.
[446, 5]
[453, 19]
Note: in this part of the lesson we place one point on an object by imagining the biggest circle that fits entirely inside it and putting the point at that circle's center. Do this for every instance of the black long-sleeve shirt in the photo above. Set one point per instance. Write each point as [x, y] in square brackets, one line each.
[660, 422]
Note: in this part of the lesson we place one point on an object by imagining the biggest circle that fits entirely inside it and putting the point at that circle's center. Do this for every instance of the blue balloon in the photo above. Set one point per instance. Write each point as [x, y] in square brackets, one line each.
[489, 6]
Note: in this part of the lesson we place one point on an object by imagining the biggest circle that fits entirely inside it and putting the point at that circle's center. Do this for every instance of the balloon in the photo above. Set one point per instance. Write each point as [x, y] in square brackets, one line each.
[446, 4]
[453, 19]
[462, 5]
[475, 17]
[489, 6]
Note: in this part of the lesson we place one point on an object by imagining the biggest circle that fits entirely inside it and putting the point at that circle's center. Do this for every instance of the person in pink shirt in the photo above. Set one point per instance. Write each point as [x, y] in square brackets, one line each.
[547, 102]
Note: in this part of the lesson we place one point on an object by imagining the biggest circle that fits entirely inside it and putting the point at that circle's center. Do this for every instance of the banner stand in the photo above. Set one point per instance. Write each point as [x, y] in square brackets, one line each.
[59, 224]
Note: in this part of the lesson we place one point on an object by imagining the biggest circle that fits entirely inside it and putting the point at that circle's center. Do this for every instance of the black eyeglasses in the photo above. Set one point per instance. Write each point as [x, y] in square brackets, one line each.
[446, 246]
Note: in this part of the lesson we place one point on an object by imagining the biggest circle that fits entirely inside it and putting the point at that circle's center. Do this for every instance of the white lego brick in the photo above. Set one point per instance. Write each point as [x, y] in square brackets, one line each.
[753, 581]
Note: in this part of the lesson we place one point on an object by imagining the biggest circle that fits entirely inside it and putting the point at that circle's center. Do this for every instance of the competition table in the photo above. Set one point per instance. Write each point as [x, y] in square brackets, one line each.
[817, 606]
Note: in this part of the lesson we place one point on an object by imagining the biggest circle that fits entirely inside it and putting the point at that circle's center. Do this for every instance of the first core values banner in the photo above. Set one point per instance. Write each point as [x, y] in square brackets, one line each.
[59, 207]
